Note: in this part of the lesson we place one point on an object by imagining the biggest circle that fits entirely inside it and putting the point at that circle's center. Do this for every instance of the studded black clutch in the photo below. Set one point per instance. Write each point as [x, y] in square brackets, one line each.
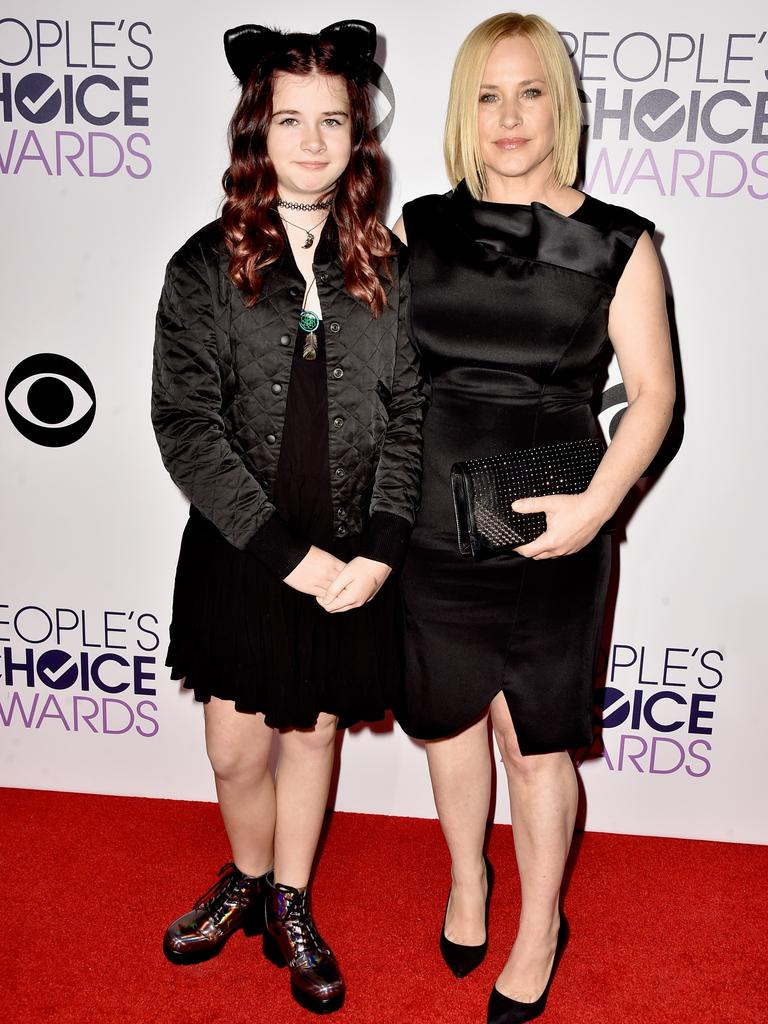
[484, 489]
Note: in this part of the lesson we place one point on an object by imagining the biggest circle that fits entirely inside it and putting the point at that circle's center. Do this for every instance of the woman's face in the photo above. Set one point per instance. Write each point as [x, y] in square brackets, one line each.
[514, 116]
[310, 138]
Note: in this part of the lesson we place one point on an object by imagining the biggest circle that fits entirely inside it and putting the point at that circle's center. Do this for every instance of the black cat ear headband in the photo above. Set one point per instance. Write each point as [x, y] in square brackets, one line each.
[248, 45]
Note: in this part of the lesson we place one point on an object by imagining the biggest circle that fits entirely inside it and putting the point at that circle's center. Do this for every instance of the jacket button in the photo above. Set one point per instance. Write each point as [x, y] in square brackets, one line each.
[295, 293]
[276, 389]
[271, 438]
[334, 326]
[338, 421]
[322, 278]
[339, 472]
[341, 530]
[285, 339]
[338, 373]
[341, 513]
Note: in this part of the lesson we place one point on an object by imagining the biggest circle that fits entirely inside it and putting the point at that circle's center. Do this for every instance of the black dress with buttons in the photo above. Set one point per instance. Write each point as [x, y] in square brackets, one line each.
[240, 634]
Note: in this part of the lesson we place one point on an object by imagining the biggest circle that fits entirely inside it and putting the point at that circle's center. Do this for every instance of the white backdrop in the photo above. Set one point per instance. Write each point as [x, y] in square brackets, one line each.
[112, 145]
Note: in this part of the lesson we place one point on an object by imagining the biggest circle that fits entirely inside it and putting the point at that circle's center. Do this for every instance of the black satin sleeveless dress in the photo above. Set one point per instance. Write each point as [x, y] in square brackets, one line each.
[510, 309]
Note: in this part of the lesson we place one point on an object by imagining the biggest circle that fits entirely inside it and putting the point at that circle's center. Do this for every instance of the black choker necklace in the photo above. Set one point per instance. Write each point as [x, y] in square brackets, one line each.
[325, 204]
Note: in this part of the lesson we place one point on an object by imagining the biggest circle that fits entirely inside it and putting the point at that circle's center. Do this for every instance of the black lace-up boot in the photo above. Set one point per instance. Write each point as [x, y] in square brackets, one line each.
[291, 938]
[234, 901]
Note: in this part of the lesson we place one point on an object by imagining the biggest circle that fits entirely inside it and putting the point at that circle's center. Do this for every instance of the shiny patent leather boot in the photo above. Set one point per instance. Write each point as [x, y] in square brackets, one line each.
[464, 959]
[503, 1010]
[291, 938]
[233, 901]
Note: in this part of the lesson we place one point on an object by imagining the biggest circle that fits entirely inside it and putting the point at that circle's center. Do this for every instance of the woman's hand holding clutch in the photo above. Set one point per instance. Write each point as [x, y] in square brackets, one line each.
[572, 522]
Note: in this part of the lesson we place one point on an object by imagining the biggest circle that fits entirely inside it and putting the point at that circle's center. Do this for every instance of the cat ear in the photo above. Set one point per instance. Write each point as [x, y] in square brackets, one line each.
[246, 45]
[356, 44]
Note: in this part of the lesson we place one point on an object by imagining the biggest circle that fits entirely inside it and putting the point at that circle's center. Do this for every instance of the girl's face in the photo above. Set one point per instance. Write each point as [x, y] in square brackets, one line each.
[310, 136]
[515, 122]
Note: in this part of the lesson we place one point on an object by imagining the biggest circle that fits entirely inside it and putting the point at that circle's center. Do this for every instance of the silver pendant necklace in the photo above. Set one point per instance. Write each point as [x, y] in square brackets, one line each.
[308, 320]
[310, 239]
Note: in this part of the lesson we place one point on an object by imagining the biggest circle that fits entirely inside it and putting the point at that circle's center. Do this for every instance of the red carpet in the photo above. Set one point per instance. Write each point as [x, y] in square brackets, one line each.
[662, 930]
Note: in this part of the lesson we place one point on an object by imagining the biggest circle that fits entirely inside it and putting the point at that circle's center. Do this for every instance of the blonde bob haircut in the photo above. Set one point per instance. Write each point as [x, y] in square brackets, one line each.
[461, 144]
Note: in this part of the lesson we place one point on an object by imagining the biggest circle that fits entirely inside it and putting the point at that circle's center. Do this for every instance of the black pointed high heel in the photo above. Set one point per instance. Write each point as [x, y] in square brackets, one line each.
[464, 959]
[503, 1010]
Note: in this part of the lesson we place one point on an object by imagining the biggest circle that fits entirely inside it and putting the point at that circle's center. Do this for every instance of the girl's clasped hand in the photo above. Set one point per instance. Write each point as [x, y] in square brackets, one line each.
[338, 586]
[358, 582]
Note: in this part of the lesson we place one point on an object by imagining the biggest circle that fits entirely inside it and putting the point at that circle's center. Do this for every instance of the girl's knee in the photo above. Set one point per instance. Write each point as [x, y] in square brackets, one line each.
[231, 764]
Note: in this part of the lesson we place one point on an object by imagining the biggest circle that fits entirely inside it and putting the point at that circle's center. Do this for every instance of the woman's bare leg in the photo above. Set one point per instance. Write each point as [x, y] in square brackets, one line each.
[543, 798]
[460, 768]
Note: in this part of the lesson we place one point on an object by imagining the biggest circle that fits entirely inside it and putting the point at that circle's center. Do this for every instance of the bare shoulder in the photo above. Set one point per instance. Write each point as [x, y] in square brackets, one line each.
[399, 230]
[643, 267]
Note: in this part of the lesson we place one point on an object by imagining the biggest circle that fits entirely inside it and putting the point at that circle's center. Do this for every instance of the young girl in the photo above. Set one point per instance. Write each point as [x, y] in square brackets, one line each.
[287, 408]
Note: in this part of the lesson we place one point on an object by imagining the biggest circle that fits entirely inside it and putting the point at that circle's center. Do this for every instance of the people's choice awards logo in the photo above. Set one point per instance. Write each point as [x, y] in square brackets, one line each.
[74, 670]
[74, 97]
[659, 709]
[677, 114]
[50, 400]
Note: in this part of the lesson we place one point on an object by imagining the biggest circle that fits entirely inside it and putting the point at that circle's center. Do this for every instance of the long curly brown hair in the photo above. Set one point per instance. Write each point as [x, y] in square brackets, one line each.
[251, 230]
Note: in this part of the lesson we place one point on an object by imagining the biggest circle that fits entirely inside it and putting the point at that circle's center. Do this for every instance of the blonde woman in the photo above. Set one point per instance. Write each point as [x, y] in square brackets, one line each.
[520, 285]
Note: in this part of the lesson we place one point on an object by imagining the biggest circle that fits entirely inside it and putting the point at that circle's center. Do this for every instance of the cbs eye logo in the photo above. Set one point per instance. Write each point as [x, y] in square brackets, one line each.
[382, 97]
[614, 398]
[50, 400]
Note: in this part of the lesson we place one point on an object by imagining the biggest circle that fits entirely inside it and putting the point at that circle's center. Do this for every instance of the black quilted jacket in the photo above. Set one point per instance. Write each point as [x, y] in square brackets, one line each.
[221, 375]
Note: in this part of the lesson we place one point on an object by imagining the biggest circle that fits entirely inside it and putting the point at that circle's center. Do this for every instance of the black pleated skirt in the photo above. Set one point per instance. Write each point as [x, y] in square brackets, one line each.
[239, 633]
